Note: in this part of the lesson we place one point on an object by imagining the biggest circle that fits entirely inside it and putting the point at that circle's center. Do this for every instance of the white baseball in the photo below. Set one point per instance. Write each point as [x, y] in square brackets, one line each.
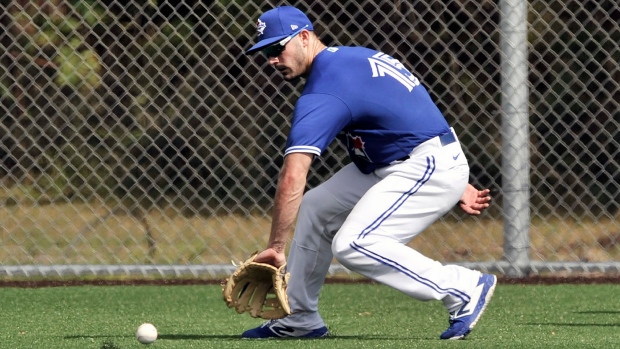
[146, 333]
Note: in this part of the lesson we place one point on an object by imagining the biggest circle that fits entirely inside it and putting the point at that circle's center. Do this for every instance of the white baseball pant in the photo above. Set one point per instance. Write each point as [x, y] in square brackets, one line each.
[365, 222]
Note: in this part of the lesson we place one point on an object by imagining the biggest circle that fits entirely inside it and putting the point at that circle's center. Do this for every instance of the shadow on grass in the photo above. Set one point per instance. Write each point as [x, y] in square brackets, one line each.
[100, 336]
[176, 337]
[161, 336]
[237, 337]
[330, 337]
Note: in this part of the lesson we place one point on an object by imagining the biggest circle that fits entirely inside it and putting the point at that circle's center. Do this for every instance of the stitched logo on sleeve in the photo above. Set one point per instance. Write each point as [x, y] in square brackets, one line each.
[456, 156]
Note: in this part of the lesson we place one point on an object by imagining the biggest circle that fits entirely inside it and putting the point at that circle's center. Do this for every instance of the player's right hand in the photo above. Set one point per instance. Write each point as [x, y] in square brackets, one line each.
[474, 201]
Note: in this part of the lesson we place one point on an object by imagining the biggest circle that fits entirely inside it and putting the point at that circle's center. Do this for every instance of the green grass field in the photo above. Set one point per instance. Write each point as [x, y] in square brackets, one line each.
[358, 315]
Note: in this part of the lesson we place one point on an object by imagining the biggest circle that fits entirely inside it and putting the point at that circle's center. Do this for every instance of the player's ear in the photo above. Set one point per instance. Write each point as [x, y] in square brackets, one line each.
[304, 36]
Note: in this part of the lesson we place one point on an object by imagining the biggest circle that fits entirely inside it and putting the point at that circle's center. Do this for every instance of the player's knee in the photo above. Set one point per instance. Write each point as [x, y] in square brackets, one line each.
[342, 248]
[310, 200]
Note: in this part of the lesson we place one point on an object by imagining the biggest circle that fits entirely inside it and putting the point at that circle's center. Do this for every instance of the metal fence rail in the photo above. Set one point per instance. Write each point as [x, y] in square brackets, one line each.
[138, 139]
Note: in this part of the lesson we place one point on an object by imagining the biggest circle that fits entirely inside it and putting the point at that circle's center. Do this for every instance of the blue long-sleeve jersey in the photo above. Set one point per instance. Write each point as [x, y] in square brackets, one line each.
[367, 99]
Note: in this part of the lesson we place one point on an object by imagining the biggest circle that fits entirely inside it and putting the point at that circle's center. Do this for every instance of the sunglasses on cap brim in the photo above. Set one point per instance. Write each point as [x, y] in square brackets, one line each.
[276, 49]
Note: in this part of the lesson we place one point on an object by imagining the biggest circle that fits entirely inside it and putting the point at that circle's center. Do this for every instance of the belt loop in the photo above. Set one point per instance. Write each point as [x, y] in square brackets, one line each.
[447, 138]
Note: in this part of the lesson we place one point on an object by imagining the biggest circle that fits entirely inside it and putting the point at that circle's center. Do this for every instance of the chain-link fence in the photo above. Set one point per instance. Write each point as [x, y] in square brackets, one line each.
[137, 136]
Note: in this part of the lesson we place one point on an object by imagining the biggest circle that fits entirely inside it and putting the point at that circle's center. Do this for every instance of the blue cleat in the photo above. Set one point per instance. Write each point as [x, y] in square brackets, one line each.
[463, 320]
[272, 329]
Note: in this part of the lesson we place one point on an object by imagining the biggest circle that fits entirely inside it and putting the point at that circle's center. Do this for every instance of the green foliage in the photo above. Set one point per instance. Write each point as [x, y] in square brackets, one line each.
[78, 69]
[98, 79]
[91, 11]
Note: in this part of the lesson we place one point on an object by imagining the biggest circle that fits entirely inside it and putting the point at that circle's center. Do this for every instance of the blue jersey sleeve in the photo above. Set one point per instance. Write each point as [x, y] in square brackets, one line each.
[317, 119]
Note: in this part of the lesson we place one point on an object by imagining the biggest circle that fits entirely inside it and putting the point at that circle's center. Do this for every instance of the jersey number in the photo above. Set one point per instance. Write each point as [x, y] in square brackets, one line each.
[382, 65]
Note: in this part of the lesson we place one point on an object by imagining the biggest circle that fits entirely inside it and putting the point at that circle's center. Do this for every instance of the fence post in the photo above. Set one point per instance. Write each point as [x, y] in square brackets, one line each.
[515, 135]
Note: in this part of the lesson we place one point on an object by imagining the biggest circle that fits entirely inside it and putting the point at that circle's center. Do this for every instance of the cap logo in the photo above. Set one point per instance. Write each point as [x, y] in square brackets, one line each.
[278, 24]
[260, 27]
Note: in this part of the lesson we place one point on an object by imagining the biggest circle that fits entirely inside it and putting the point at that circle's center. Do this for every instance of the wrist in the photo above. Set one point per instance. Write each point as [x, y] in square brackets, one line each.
[278, 246]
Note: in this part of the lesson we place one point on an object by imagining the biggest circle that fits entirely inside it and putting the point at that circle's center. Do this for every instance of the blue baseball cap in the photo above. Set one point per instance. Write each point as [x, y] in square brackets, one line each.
[278, 24]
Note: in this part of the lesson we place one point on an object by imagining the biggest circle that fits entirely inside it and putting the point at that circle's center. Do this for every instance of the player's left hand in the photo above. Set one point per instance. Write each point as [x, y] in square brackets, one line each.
[474, 201]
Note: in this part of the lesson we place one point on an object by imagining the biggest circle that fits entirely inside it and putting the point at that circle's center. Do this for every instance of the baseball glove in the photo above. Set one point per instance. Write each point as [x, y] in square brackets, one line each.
[259, 289]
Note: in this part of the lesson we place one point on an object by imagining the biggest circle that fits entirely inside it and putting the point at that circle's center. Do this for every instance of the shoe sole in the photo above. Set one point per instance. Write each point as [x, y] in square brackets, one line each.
[283, 338]
[274, 335]
[484, 307]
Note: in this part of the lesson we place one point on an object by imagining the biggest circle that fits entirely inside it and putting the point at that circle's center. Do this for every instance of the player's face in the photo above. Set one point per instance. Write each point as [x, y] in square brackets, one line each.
[290, 60]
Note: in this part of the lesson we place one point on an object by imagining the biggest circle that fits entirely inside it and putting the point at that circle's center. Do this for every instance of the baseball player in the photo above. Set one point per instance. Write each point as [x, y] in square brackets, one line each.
[407, 170]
